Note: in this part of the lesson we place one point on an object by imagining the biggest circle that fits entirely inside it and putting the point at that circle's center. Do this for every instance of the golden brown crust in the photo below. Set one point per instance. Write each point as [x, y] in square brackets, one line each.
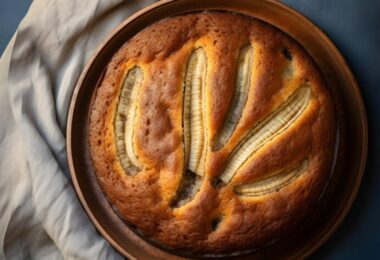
[144, 200]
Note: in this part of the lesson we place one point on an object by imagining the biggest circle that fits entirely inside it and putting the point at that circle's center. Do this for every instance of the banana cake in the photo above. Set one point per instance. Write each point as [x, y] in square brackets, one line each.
[212, 132]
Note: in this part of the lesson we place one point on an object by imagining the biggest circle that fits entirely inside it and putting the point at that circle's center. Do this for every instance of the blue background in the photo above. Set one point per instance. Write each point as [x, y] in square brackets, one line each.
[354, 26]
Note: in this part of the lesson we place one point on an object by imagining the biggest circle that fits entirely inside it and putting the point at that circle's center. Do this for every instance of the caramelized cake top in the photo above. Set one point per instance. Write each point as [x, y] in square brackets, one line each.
[212, 132]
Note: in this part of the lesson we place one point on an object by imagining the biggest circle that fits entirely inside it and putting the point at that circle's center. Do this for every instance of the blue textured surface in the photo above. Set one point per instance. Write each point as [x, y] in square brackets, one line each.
[11, 13]
[354, 26]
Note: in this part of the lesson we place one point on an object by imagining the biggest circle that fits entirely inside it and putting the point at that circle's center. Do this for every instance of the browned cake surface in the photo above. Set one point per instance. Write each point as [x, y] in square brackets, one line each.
[212, 132]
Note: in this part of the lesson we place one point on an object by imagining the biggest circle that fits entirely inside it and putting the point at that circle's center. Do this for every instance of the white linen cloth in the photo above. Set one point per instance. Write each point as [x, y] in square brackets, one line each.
[40, 215]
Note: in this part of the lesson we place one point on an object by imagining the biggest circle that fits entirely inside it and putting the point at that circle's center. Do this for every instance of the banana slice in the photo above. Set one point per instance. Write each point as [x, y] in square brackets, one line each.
[243, 81]
[273, 183]
[124, 120]
[274, 125]
[193, 127]
[193, 117]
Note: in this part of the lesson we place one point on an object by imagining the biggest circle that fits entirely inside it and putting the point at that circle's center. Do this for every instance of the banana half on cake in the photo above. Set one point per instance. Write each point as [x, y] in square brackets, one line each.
[212, 133]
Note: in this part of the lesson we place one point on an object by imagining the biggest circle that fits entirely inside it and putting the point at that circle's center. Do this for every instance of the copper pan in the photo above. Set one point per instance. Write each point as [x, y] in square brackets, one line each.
[349, 163]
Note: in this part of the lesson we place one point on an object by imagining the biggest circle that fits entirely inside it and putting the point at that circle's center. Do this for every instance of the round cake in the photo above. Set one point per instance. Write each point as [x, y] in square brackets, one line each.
[212, 132]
